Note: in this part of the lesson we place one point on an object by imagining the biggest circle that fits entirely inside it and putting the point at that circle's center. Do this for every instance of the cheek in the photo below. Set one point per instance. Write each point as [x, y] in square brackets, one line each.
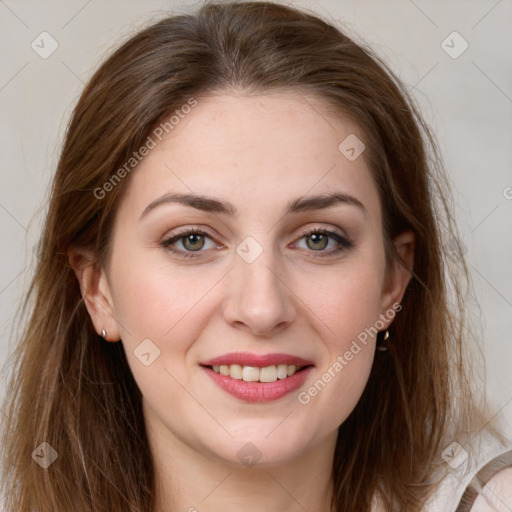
[336, 391]
[165, 308]
[349, 310]
[152, 298]
[348, 304]
[151, 302]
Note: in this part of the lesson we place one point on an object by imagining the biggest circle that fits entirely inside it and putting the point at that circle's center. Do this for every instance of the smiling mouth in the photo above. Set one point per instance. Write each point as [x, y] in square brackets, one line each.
[270, 373]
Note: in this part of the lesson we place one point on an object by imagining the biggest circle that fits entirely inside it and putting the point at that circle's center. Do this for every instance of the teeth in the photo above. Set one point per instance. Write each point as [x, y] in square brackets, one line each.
[282, 371]
[235, 371]
[268, 374]
[255, 374]
[250, 374]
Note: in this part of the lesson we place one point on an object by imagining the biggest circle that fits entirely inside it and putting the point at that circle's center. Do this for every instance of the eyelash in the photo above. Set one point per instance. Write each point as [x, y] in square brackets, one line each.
[344, 243]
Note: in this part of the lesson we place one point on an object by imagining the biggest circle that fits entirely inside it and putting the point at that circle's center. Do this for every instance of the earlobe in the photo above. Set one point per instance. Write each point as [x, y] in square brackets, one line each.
[401, 269]
[95, 292]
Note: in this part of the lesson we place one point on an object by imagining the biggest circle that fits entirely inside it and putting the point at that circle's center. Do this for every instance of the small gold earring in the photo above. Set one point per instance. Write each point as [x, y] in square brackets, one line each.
[104, 336]
[382, 347]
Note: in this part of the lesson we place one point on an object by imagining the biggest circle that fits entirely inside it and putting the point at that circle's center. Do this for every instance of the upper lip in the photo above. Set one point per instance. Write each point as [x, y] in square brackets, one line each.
[260, 360]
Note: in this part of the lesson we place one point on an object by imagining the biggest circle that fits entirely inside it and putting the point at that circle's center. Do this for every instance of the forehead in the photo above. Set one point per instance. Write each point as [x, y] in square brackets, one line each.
[255, 149]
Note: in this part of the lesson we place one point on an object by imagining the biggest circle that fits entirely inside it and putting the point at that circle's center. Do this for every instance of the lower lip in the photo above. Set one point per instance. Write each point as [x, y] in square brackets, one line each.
[259, 391]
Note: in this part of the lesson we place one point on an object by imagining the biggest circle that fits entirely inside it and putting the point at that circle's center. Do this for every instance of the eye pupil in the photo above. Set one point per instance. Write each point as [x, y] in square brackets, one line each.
[318, 238]
[191, 239]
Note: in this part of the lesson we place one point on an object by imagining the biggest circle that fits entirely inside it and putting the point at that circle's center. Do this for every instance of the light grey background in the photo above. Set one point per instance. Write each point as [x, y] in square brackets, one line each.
[467, 100]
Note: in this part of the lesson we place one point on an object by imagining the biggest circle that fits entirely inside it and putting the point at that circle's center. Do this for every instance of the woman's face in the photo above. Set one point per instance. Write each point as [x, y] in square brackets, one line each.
[249, 287]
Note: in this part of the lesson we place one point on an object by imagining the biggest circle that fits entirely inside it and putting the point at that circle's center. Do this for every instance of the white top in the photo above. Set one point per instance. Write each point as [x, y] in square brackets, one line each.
[462, 471]
[489, 457]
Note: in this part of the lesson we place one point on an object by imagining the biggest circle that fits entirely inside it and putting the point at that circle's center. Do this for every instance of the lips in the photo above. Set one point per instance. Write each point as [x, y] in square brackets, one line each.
[270, 376]
[259, 360]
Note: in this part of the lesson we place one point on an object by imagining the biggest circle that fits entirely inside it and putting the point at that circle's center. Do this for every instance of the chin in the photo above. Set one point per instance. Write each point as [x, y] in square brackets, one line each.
[260, 450]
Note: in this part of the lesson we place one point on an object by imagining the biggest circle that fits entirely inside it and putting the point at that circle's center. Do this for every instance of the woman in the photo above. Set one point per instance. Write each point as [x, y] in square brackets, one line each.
[241, 301]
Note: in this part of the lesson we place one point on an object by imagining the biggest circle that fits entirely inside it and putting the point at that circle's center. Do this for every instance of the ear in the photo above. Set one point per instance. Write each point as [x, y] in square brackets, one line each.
[400, 271]
[95, 292]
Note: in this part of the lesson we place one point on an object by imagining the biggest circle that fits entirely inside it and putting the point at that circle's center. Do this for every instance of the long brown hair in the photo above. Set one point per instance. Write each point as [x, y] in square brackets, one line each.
[74, 391]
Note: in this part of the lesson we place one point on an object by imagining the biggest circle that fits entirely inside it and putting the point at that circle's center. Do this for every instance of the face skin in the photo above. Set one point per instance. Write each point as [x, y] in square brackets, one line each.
[299, 297]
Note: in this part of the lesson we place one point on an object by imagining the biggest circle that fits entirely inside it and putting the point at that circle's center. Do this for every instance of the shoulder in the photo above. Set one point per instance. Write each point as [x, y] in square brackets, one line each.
[496, 495]
[481, 482]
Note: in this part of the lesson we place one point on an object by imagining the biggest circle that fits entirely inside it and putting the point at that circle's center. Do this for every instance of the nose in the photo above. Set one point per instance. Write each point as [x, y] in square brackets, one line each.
[259, 296]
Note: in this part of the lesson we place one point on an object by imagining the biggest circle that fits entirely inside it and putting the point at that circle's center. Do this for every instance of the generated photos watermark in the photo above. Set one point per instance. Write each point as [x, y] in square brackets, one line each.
[157, 135]
[304, 397]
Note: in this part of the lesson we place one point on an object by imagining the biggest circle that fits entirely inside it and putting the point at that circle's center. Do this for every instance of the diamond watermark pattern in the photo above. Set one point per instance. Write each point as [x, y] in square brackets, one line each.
[249, 249]
[454, 455]
[44, 45]
[45, 455]
[351, 147]
[146, 352]
[454, 45]
[456, 248]
[249, 455]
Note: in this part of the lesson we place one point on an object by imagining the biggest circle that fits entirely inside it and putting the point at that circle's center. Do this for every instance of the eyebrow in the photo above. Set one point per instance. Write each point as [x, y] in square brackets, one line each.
[210, 204]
